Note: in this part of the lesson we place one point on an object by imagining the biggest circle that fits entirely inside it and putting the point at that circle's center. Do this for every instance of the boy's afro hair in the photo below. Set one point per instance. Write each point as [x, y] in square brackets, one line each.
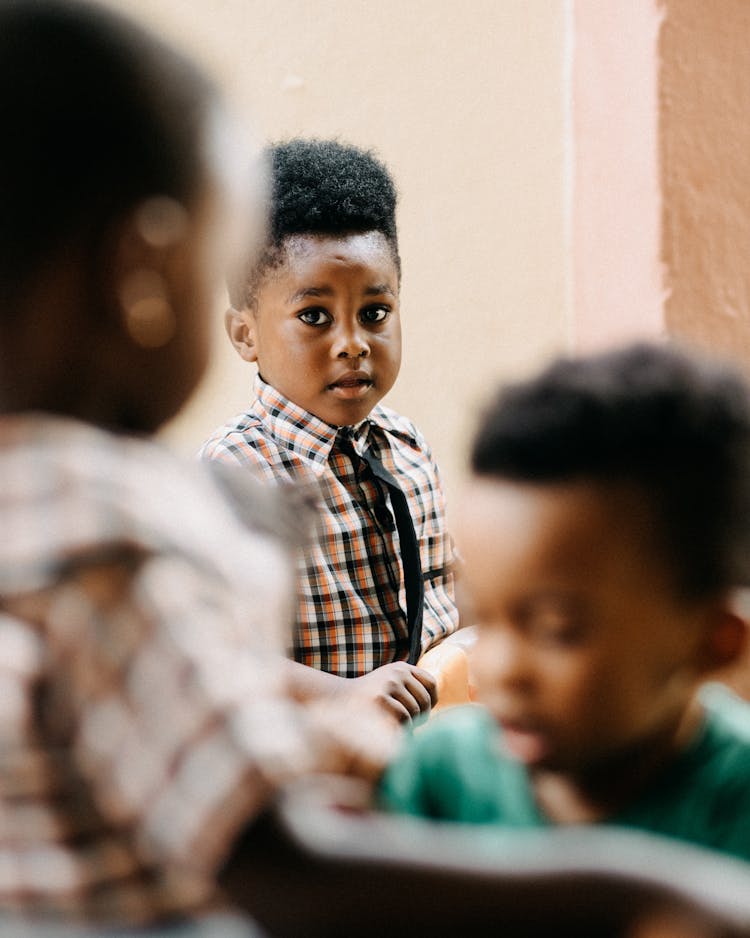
[320, 187]
[671, 422]
[327, 187]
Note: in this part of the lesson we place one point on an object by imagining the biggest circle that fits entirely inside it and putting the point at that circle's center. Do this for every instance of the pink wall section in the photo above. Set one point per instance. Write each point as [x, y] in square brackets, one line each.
[615, 227]
[659, 172]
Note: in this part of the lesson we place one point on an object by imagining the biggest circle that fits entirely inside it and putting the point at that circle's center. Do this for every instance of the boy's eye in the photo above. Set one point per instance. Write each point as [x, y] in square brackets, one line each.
[560, 635]
[314, 317]
[373, 314]
[556, 627]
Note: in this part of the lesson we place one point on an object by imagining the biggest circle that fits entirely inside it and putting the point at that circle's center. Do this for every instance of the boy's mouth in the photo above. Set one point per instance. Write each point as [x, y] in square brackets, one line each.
[350, 386]
[529, 744]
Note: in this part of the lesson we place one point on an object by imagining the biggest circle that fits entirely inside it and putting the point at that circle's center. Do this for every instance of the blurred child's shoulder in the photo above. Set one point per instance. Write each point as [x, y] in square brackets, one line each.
[236, 439]
[721, 754]
[436, 756]
[727, 711]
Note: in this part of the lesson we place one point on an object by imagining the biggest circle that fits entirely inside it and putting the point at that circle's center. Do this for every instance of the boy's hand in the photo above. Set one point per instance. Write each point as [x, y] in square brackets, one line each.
[403, 690]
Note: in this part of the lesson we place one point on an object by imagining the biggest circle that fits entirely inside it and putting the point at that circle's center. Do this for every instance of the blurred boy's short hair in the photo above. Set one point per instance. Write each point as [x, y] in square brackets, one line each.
[320, 187]
[672, 423]
[82, 153]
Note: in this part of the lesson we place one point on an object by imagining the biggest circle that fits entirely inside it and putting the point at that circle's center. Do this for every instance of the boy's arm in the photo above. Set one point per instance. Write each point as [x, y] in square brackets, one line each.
[403, 690]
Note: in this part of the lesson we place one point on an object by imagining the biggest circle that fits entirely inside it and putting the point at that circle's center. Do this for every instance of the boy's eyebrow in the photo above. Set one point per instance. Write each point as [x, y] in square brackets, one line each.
[309, 291]
[377, 289]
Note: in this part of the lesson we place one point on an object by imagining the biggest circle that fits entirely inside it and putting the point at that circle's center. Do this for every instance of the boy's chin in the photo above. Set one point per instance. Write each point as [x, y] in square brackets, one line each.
[346, 413]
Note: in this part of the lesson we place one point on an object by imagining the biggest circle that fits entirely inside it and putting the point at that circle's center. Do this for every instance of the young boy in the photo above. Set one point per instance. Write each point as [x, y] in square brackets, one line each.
[319, 315]
[606, 526]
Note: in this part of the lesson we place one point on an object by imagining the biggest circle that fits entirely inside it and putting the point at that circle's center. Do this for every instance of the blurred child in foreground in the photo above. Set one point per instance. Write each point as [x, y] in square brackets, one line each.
[318, 312]
[605, 529]
[143, 721]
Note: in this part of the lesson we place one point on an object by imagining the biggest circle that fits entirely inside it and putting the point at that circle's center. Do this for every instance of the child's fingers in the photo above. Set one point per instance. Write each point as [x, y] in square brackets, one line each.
[412, 696]
[402, 689]
[428, 681]
[420, 692]
[398, 708]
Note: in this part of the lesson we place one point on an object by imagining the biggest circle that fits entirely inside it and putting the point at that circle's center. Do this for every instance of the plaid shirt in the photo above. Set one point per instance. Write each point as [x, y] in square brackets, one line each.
[139, 730]
[351, 610]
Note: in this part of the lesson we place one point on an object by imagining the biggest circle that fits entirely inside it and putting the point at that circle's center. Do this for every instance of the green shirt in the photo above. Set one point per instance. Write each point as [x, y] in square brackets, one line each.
[453, 769]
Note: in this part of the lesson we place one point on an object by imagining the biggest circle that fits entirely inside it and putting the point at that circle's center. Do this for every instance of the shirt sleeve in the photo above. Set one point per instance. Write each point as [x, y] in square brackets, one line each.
[401, 790]
[219, 449]
[177, 728]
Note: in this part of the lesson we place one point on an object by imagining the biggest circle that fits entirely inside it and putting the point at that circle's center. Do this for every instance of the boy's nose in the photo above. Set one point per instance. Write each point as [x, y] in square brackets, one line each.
[351, 343]
[505, 659]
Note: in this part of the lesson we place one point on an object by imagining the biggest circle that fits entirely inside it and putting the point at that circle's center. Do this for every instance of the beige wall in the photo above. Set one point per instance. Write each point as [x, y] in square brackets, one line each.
[464, 101]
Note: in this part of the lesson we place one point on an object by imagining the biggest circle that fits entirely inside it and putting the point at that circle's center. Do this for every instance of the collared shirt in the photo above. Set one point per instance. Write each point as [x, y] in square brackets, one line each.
[351, 614]
[141, 726]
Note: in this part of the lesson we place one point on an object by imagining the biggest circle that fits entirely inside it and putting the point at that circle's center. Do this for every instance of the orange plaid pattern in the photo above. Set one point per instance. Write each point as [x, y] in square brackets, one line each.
[351, 605]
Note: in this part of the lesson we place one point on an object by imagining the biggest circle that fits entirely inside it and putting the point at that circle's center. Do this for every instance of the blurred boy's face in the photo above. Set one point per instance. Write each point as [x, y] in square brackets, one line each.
[326, 331]
[181, 253]
[585, 653]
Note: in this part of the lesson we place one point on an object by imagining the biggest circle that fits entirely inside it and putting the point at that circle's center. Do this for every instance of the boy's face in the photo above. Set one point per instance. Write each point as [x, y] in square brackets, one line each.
[325, 330]
[585, 650]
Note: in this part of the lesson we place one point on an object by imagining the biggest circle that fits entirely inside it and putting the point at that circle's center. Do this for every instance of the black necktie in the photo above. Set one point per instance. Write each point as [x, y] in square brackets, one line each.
[407, 536]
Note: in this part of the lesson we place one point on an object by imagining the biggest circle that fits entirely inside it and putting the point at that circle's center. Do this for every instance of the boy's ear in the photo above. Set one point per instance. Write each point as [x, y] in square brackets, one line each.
[240, 326]
[725, 640]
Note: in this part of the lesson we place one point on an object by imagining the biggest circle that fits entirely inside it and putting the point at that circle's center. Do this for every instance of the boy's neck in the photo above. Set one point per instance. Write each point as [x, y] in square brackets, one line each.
[609, 788]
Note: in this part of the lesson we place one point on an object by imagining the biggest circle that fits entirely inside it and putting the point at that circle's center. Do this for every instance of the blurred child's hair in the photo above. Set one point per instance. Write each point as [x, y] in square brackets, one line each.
[320, 187]
[674, 424]
[96, 115]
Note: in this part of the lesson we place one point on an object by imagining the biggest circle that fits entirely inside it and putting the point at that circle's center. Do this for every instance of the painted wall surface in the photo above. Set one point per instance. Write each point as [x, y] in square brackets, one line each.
[465, 104]
[617, 280]
[705, 141]
[660, 178]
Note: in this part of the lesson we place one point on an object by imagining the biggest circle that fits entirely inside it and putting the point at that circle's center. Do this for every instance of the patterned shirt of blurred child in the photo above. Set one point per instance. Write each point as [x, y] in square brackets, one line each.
[351, 601]
[142, 720]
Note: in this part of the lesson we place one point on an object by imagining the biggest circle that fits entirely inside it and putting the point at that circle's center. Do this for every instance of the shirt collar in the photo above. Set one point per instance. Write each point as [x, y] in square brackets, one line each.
[302, 432]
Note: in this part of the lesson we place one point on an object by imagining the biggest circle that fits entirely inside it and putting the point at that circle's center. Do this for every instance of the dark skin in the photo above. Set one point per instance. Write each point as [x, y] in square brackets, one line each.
[44, 368]
[66, 351]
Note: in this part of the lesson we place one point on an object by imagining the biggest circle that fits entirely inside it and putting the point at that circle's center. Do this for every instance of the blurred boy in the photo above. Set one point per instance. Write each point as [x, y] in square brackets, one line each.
[319, 315]
[143, 724]
[606, 526]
